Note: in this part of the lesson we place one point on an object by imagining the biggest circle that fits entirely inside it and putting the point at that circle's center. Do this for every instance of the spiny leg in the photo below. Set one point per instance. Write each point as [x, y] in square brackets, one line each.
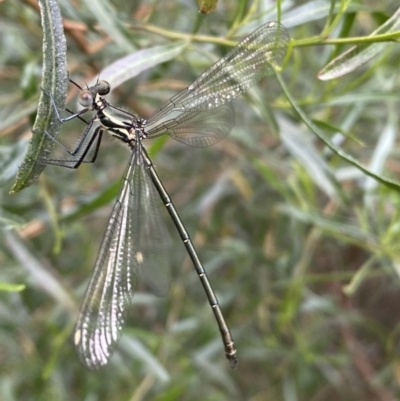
[73, 164]
[65, 119]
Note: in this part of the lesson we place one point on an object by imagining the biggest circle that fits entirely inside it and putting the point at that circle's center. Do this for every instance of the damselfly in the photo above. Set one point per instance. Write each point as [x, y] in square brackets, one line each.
[135, 238]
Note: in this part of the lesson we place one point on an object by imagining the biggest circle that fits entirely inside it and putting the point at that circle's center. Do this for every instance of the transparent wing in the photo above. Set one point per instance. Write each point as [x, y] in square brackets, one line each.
[253, 58]
[135, 239]
[198, 128]
[150, 233]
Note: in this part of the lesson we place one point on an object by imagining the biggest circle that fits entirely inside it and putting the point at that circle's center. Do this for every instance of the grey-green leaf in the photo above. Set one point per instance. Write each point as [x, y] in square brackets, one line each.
[54, 82]
[128, 67]
[108, 19]
[360, 54]
[392, 184]
[316, 166]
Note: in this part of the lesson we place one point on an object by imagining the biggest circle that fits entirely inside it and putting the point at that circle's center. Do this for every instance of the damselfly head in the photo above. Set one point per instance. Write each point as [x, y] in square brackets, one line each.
[85, 98]
[102, 88]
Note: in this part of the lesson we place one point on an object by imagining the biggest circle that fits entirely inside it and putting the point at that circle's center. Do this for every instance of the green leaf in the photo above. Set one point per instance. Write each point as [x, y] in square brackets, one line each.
[385, 181]
[109, 20]
[55, 83]
[316, 166]
[346, 232]
[38, 270]
[11, 287]
[132, 65]
[383, 149]
[9, 220]
[359, 276]
[102, 199]
[360, 54]
[138, 349]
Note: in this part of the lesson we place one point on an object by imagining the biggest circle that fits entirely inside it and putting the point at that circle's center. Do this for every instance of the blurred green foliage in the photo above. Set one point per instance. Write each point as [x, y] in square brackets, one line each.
[301, 247]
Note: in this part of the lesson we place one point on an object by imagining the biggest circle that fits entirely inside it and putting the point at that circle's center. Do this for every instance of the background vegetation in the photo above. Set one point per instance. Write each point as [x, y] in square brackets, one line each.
[302, 248]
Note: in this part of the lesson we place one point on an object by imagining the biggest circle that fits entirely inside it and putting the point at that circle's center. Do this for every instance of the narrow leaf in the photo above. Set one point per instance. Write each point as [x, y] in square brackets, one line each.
[100, 200]
[316, 166]
[137, 349]
[359, 54]
[42, 275]
[385, 181]
[359, 276]
[54, 82]
[384, 147]
[7, 287]
[109, 20]
[128, 67]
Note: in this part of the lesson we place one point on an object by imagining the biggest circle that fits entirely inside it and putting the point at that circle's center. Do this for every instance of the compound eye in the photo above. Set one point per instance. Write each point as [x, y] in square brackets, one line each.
[85, 98]
[103, 88]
